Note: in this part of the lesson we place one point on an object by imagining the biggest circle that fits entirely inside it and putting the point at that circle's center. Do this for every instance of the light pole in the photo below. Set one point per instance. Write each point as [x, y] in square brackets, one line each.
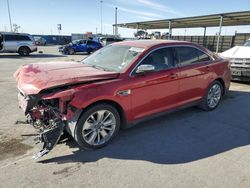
[116, 29]
[101, 1]
[9, 16]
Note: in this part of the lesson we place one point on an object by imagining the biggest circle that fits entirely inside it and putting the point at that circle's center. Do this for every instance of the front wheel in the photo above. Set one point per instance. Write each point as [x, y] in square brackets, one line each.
[71, 51]
[213, 96]
[97, 126]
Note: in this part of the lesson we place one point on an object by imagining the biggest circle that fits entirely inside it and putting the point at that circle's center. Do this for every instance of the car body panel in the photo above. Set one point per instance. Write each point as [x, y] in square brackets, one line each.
[237, 52]
[71, 87]
[13, 46]
[193, 81]
[82, 46]
[33, 78]
[239, 57]
[161, 91]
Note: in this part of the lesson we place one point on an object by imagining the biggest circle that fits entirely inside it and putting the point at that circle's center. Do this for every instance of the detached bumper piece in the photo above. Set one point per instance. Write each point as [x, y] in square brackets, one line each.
[50, 137]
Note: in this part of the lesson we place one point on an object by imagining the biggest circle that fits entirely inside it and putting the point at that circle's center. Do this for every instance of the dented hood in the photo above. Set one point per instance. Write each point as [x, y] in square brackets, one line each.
[32, 78]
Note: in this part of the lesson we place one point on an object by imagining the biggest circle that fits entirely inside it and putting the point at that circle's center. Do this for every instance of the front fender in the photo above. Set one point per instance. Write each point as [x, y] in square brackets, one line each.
[87, 97]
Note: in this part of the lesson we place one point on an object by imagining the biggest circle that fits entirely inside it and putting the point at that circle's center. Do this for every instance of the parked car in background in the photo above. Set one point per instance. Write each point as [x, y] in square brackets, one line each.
[117, 86]
[40, 41]
[239, 57]
[21, 43]
[109, 40]
[83, 45]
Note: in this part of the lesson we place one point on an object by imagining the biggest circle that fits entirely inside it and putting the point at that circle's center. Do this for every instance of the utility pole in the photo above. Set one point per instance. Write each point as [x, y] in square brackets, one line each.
[101, 1]
[9, 15]
[116, 29]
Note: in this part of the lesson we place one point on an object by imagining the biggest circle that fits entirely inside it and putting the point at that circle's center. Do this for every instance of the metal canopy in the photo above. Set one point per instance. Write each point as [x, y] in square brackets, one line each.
[213, 20]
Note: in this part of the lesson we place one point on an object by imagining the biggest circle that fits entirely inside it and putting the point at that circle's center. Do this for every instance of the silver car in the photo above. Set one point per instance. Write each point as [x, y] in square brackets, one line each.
[20, 43]
[40, 41]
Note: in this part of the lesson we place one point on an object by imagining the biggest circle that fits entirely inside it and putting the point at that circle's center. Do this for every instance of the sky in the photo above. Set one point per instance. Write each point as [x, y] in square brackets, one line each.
[81, 16]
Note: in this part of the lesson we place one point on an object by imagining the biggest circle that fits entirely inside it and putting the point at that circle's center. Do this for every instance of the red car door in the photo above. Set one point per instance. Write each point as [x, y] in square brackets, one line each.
[155, 91]
[194, 73]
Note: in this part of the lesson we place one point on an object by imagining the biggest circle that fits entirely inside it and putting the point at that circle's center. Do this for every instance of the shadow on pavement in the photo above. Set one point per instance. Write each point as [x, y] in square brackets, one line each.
[241, 82]
[181, 137]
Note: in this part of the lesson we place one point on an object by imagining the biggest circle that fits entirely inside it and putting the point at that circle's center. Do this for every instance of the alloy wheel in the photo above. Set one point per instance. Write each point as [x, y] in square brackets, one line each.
[214, 96]
[99, 127]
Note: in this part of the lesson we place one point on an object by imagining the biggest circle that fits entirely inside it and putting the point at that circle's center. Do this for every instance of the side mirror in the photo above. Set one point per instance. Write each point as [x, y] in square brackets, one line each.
[145, 68]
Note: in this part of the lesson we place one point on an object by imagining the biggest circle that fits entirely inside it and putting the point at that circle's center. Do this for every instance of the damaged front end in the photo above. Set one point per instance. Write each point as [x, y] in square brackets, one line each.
[48, 115]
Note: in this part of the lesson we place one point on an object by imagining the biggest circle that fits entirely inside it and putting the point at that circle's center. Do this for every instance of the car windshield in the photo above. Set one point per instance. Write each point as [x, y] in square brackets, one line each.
[113, 57]
[247, 43]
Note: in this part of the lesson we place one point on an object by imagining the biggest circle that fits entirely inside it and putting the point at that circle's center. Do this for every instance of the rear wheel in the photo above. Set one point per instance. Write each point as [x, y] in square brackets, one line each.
[24, 51]
[97, 126]
[213, 96]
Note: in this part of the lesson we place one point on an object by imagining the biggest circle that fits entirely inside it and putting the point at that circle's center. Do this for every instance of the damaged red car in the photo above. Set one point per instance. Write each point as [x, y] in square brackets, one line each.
[118, 86]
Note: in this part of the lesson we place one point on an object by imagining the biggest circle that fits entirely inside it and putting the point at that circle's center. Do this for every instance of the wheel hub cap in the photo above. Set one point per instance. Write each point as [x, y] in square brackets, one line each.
[99, 127]
[214, 96]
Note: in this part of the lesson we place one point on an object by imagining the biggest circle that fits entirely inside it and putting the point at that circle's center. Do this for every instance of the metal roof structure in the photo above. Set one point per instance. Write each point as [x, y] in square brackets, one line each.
[213, 20]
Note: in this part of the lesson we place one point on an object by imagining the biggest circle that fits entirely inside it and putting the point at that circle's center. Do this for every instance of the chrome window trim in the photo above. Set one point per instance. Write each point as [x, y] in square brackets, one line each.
[173, 46]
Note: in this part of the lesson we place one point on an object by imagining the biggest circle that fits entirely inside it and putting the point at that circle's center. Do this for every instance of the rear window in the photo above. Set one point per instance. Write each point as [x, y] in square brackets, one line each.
[190, 55]
[17, 38]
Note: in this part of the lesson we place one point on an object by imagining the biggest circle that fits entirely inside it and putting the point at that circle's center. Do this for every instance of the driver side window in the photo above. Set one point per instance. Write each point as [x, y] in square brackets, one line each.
[161, 59]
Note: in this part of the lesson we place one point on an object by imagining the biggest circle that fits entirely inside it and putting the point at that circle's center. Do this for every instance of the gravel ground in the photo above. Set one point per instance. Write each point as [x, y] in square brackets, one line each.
[189, 148]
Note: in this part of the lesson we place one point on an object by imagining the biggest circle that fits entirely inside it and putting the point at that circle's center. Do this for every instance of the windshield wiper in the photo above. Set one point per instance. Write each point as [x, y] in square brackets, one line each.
[101, 68]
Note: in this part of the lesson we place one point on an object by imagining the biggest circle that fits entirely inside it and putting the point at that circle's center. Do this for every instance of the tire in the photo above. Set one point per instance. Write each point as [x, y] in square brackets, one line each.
[212, 97]
[91, 133]
[89, 51]
[71, 51]
[24, 51]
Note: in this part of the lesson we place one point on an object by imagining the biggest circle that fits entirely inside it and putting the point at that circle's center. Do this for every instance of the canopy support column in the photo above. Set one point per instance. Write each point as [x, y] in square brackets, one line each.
[204, 36]
[169, 30]
[205, 30]
[218, 37]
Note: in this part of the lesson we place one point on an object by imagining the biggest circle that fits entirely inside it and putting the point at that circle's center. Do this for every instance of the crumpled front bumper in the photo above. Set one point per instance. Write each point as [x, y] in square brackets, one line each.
[50, 138]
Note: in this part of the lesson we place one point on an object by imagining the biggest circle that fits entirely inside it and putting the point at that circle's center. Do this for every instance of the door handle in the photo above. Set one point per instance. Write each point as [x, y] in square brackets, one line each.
[172, 75]
[207, 68]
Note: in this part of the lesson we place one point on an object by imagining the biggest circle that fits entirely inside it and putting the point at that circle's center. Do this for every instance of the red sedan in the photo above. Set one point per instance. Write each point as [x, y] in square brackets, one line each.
[118, 86]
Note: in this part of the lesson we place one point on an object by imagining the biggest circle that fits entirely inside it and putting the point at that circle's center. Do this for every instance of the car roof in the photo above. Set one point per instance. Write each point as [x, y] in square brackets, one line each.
[150, 43]
[12, 33]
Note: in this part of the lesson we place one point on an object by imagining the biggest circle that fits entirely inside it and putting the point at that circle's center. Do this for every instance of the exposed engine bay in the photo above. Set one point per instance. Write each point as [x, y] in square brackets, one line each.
[47, 117]
[47, 120]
